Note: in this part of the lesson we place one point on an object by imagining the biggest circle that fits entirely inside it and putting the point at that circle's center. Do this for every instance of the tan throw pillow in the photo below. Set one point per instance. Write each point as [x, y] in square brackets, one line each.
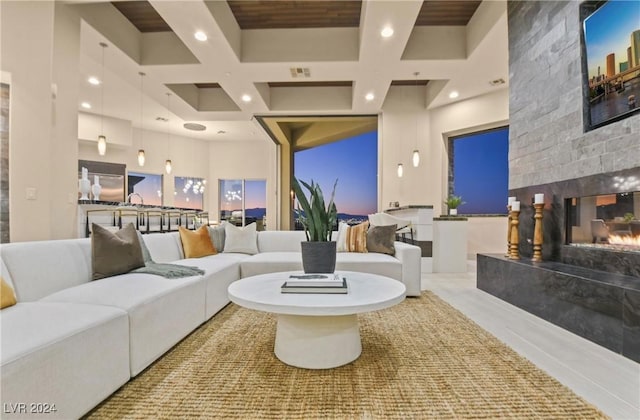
[380, 239]
[7, 296]
[114, 253]
[357, 237]
[196, 243]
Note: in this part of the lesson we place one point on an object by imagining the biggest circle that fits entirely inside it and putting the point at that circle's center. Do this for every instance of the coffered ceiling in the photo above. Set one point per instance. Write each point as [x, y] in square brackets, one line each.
[291, 58]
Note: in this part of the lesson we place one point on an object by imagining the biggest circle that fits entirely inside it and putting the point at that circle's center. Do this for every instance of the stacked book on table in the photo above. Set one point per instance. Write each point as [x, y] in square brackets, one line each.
[315, 283]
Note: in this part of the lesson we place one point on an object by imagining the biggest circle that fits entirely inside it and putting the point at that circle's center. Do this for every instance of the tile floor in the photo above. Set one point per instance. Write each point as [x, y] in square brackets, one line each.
[605, 379]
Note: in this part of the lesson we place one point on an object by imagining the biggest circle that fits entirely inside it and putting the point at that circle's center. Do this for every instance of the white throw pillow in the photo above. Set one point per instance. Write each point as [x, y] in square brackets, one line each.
[341, 239]
[243, 240]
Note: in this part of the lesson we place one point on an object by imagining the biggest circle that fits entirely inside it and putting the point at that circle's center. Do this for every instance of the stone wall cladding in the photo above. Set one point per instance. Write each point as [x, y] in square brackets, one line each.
[547, 138]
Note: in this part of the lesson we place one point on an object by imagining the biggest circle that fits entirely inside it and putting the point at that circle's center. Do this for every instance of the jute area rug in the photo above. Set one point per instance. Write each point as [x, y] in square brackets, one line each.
[421, 359]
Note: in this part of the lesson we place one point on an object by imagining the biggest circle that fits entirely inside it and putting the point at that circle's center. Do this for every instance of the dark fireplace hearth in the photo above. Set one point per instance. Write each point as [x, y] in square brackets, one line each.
[589, 280]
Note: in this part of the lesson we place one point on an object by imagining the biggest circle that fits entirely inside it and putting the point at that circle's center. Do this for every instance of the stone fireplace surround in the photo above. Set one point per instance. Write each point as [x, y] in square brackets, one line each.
[592, 292]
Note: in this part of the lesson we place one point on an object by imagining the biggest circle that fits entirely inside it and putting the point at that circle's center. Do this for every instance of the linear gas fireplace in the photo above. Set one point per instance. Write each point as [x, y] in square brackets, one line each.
[605, 221]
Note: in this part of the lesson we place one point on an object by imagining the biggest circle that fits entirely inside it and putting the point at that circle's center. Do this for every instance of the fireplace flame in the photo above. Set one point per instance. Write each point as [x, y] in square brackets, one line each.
[624, 240]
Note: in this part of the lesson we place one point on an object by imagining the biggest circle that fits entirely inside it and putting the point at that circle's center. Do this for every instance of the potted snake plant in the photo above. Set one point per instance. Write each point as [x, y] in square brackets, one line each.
[318, 220]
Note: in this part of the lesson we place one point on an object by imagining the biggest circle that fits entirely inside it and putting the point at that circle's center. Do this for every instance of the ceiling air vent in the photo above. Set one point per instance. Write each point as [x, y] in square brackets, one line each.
[300, 72]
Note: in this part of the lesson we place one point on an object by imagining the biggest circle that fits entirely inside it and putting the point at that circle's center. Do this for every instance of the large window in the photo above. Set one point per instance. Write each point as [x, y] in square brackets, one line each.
[479, 171]
[188, 192]
[354, 163]
[148, 187]
[243, 201]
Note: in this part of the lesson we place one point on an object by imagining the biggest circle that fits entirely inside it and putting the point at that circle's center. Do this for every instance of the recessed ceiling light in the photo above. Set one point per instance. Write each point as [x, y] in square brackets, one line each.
[246, 98]
[222, 132]
[86, 105]
[94, 80]
[200, 36]
[454, 94]
[386, 32]
[369, 96]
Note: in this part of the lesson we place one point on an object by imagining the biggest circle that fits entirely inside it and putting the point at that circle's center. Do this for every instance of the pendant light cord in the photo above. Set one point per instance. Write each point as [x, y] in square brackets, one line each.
[168, 128]
[141, 106]
[103, 45]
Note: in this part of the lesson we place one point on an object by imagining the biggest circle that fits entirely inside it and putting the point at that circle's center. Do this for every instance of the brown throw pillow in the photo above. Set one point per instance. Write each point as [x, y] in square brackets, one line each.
[357, 237]
[114, 253]
[380, 239]
[196, 243]
[7, 296]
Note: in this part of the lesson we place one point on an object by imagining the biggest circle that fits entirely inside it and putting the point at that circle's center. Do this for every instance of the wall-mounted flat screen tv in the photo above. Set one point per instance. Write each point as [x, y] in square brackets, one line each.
[611, 59]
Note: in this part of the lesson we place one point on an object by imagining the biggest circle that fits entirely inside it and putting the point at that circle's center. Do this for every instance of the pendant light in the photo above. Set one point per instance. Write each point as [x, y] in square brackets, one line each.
[416, 154]
[102, 140]
[167, 164]
[400, 170]
[141, 156]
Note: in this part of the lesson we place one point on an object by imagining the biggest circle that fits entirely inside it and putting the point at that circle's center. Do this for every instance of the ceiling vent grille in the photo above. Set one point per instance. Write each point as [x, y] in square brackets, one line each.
[300, 72]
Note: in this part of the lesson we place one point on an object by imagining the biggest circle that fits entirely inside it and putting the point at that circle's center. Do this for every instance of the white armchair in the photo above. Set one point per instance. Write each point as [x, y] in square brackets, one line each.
[403, 226]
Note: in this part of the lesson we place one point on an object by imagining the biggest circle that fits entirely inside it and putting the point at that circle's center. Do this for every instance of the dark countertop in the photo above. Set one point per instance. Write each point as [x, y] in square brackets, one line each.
[122, 205]
[410, 206]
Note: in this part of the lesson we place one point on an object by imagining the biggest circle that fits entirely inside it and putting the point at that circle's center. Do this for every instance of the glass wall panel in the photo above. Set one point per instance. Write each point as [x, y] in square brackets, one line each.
[148, 187]
[189, 192]
[479, 171]
[243, 201]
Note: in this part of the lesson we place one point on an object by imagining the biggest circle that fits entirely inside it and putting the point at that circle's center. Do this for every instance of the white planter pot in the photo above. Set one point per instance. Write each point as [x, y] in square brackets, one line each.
[453, 212]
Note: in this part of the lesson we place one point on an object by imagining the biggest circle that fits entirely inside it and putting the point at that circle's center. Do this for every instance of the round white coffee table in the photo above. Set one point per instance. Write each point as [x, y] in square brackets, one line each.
[317, 331]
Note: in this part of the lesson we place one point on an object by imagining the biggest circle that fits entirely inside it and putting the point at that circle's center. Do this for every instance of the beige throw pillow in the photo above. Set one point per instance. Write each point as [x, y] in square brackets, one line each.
[114, 253]
[243, 240]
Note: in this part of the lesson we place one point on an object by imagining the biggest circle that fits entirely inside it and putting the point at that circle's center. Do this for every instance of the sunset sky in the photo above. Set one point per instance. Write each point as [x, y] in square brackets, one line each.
[354, 162]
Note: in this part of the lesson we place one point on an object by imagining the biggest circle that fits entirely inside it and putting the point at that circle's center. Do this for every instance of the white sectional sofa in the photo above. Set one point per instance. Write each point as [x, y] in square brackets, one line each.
[70, 342]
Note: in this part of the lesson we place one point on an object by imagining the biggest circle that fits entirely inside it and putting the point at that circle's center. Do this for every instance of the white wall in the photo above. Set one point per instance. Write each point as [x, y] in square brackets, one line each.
[27, 56]
[486, 235]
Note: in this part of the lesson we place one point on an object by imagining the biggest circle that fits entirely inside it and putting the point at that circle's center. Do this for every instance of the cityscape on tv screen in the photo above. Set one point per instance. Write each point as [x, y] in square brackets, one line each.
[612, 41]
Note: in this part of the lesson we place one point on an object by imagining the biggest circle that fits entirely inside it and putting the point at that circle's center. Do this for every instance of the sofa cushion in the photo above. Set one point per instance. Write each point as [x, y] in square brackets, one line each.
[114, 253]
[161, 311]
[271, 262]
[73, 356]
[30, 265]
[242, 240]
[196, 244]
[7, 295]
[381, 239]
[370, 262]
[280, 240]
[164, 248]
